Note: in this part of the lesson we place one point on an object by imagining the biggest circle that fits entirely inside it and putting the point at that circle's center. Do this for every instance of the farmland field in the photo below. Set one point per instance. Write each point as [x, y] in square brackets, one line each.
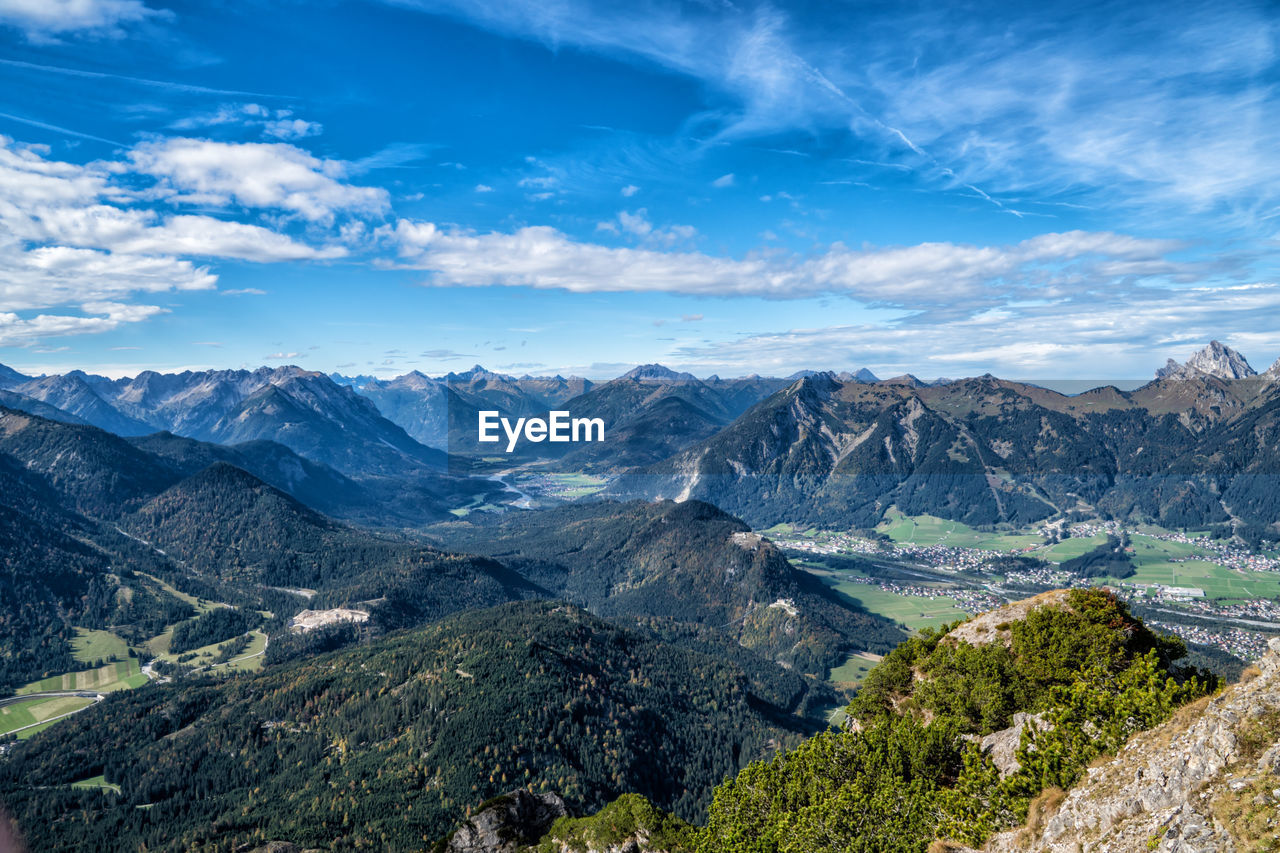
[120, 675]
[931, 530]
[22, 714]
[1216, 581]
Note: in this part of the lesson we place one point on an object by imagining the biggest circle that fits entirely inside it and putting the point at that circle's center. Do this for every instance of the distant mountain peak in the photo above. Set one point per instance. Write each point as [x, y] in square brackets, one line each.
[1273, 372]
[658, 372]
[864, 375]
[1217, 359]
[10, 377]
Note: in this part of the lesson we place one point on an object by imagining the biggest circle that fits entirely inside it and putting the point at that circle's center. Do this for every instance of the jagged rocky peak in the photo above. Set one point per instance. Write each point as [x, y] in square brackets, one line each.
[658, 372]
[812, 381]
[1273, 372]
[1217, 359]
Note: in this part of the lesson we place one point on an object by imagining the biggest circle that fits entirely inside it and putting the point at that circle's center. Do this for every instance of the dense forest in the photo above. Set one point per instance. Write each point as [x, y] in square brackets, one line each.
[387, 745]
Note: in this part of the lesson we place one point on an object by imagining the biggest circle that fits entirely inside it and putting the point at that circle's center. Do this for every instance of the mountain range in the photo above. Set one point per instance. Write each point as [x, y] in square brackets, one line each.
[1186, 449]
[1189, 450]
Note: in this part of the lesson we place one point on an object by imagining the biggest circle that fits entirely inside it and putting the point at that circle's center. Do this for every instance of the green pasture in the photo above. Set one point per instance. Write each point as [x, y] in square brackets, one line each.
[98, 783]
[854, 669]
[912, 611]
[89, 646]
[205, 655]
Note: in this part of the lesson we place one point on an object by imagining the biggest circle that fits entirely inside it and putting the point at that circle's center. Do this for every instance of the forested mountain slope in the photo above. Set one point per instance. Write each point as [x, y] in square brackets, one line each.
[386, 746]
[679, 563]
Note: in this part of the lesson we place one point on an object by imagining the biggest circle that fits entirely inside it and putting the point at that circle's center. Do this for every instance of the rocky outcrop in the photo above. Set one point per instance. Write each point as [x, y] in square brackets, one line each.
[994, 626]
[1207, 781]
[1002, 746]
[508, 823]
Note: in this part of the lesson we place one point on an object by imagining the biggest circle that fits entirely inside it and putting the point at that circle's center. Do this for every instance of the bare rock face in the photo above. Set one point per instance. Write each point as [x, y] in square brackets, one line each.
[1207, 781]
[1216, 359]
[1003, 745]
[508, 823]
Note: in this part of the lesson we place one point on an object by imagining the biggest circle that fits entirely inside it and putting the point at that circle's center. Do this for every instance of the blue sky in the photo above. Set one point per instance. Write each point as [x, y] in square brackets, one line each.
[1075, 190]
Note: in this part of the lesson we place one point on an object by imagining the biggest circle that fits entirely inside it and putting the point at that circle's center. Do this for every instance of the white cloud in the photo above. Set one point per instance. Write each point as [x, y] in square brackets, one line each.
[255, 175]
[928, 276]
[282, 356]
[637, 225]
[723, 181]
[1131, 335]
[483, 188]
[540, 182]
[72, 237]
[43, 20]
[278, 123]
[292, 128]
[16, 331]
[629, 190]
[49, 276]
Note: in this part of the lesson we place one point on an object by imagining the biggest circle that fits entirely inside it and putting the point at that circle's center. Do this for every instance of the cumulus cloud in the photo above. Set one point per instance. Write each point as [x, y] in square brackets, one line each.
[45, 20]
[629, 190]
[49, 276]
[273, 176]
[72, 236]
